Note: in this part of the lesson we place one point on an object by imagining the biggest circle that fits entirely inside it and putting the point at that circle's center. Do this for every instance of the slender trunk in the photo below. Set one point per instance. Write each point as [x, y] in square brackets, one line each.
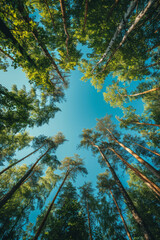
[138, 18]
[144, 229]
[49, 13]
[6, 54]
[89, 222]
[141, 160]
[112, 9]
[150, 124]
[152, 65]
[120, 213]
[118, 30]
[13, 164]
[8, 195]
[49, 209]
[147, 181]
[36, 36]
[142, 93]
[155, 46]
[85, 14]
[6, 31]
[158, 154]
[64, 23]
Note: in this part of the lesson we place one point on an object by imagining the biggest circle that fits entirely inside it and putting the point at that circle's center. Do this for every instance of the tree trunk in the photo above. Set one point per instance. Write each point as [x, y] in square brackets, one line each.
[85, 14]
[141, 160]
[8, 195]
[6, 31]
[64, 22]
[13, 164]
[142, 93]
[147, 124]
[120, 213]
[148, 182]
[49, 13]
[112, 9]
[148, 149]
[144, 229]
[6, 54]
[89, 223]
[138, 18]
[118, 30]
[49, 209]
[36, 36]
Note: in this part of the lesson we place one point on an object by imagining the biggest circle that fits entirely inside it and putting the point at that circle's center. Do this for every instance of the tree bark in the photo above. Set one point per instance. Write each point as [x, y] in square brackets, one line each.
[8, 195]
[36, 36]
[120, 213]
[142, 93]
[141, 160]
[148, 182]
[89, 223]
[85, 14]
[144, 229]
[138, 18]
[64, 23]
[13, 164]
[49, 13]
[6, 54]
[49, 209]
[118, 30]
[158, 154]
[149, 124]
[6, 31]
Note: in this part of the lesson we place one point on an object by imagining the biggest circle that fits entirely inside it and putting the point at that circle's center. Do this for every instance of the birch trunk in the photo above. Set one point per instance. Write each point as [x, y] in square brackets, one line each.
[142, 93]
[118, 30]
[138, 18]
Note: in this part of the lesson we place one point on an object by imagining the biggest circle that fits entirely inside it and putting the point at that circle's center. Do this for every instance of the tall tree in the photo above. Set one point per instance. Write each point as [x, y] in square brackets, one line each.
[71, 167]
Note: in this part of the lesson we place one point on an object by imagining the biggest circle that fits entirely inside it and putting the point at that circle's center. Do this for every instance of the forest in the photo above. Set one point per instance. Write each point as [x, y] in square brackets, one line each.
[99, 179]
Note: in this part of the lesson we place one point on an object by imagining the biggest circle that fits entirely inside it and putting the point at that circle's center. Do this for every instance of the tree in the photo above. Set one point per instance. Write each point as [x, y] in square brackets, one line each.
[66, 220]
[51, 146]
[102, 124]
[89, 139]
[71, 166]
[31, 196]
[104, 184]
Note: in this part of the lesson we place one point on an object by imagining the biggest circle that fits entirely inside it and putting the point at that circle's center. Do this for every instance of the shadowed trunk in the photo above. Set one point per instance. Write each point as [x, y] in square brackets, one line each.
[6, 31]
[50, 13]
[120, 213]
[13, 164]
[158, 154]
[36, 36]
[85, 14]
[141, 160]
[63, 10]
[144, 228]
[89, 222]
[148, 182]
[49, 209]
[8, 195]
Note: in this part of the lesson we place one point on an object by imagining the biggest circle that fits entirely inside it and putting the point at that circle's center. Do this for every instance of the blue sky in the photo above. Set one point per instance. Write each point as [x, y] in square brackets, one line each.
[83, 105]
